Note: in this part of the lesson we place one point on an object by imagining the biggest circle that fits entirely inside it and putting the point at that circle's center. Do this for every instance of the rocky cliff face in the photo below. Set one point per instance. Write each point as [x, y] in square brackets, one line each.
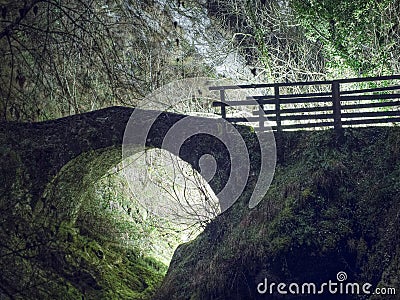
[331, 208]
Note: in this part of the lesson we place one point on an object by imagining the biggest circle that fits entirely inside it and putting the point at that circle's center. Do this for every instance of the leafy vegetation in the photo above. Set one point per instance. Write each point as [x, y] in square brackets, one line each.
[359, 34]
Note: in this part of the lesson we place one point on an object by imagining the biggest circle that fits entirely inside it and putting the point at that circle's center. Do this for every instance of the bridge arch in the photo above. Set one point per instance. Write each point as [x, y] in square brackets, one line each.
[63, 157]
[60, 158]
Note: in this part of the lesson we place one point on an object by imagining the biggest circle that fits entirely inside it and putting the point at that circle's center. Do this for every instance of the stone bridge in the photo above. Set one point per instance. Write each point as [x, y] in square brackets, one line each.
[56, 161]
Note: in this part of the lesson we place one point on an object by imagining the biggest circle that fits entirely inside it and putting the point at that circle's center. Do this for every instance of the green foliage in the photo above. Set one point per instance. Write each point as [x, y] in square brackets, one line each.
[359, 34]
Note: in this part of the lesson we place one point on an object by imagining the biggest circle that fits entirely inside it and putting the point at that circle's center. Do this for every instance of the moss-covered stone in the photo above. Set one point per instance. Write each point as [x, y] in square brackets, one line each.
[331, 207]
[47, 170]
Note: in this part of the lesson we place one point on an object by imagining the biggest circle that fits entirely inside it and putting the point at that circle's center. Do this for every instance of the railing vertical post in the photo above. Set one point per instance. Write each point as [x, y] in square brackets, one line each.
[279, 146]
[261, 117]
[223, 106]
[337, 114]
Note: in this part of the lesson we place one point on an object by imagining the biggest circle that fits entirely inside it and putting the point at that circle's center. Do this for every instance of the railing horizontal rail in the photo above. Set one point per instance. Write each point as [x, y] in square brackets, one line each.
[260, 101]
[297, 110]
[267, 85]
[234, 103]
[329, 108]
[270, 101]
[284, 96]
[310, 100]
[283, 100]
[303, 83]
[371, 105]
[243, 119]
